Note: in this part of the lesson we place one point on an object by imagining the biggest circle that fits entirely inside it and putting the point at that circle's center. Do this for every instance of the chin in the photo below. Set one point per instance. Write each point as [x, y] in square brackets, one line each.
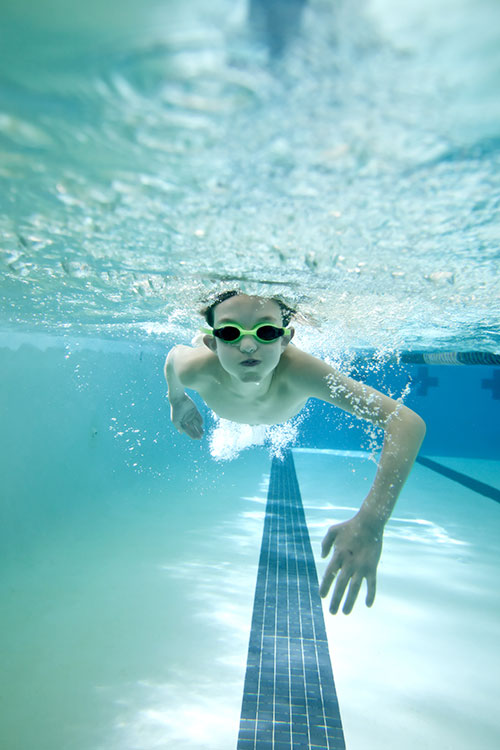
[251, 376]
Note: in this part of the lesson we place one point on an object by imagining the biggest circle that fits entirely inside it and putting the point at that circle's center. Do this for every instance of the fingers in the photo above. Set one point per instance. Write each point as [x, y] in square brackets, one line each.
[352, 595]
[341, 571]
[344, 580]
[333, 568]
[355, 555]
[371, 582]
[194, 430]
[192, 426]
[329, 539]
[339, 591]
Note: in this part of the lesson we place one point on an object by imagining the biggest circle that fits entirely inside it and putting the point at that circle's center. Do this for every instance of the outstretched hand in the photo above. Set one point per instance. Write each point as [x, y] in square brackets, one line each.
[357, 548]
[186, 417]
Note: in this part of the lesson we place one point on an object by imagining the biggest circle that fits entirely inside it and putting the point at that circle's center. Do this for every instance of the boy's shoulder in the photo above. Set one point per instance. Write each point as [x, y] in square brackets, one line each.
[297, 361]
[192, 364]
[296, 364]
[305, 371]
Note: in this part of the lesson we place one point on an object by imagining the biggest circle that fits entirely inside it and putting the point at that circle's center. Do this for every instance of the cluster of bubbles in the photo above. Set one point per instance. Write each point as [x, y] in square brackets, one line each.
[228, 439]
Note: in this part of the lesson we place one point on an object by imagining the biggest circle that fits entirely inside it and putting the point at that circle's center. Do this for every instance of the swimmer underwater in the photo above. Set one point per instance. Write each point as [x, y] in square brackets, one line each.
[246, 370]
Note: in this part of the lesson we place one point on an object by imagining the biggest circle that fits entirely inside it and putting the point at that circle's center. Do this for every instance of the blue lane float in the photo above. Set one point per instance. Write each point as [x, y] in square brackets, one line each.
[488, 359]
[451, 358]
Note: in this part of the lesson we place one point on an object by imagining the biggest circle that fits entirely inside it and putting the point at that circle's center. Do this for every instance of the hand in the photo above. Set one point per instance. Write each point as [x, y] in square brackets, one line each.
[186, 417]
[357, 549]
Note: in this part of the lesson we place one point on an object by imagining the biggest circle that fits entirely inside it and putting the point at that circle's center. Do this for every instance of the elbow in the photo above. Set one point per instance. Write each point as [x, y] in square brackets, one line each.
[409, 422]
[169, 361]
[169, 367]
[416, 424]
[421, 427]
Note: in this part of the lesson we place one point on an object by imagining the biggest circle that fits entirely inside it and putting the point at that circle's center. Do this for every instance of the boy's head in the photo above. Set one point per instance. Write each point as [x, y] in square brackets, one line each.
[249, 358]
[208, 311]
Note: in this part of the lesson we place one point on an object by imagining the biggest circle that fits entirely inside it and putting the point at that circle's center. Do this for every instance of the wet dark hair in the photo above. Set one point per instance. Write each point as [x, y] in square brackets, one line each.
[287, 312]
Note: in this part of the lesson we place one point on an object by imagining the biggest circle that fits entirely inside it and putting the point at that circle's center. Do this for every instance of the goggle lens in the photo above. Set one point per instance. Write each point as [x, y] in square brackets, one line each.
[228, 333]
[262, 333]
[269, 333]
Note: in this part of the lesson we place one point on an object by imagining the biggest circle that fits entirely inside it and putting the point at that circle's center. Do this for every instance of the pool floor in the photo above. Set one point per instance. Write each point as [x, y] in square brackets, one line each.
[126, 626]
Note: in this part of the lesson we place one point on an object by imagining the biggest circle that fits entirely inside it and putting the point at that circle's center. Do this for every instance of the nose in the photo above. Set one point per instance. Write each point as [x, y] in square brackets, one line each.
[248, 344]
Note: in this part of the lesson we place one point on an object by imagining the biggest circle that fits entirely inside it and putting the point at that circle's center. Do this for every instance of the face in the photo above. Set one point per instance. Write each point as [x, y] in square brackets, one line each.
[248, 359]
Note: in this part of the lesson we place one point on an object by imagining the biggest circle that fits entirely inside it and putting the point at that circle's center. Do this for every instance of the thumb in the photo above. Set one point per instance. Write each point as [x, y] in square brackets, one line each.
[328, 541]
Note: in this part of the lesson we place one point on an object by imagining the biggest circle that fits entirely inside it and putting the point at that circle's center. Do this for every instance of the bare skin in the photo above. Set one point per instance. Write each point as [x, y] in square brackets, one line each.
[274, 388]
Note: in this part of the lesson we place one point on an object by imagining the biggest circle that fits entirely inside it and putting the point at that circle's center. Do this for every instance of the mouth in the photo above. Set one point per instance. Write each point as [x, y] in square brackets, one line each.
[250, 362]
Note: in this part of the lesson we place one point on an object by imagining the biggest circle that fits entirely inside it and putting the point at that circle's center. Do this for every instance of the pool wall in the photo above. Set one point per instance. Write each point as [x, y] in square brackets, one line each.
[460, 405]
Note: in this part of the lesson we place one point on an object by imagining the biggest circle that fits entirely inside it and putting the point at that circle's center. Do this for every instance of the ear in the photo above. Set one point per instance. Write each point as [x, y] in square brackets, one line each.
[210, 341]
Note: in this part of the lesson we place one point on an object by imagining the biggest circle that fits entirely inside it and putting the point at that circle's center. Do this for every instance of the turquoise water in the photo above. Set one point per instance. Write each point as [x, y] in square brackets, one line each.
[128, 627]
[128, 561]
[150, 153]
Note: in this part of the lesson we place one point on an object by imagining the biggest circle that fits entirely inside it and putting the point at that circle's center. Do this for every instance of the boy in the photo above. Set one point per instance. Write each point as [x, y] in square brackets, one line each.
[247, 371]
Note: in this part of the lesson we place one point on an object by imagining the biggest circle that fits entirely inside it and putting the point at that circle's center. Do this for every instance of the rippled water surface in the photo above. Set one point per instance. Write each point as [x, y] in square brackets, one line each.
[151, 152]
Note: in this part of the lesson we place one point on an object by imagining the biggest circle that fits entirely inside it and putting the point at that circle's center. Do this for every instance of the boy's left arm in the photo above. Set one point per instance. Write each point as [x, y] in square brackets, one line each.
[358, 542]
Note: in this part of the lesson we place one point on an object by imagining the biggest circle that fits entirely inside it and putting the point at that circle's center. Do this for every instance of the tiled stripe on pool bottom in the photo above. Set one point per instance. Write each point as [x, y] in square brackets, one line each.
[289, 698]
[457, 476]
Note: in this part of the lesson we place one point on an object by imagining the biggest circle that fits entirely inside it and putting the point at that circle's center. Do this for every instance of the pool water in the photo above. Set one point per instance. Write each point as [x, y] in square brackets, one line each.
[150, 154]
[129, 562]
[417, 670]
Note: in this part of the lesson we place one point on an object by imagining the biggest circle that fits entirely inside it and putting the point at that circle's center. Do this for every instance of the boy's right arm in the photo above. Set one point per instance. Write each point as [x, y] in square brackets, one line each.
[183, 411]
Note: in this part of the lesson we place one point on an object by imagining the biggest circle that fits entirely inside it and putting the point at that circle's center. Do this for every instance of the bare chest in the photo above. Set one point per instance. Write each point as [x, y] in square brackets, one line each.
[276, 406]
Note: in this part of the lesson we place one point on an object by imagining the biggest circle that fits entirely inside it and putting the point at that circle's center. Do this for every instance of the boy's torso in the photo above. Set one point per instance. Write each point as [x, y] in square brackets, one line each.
[282, 401]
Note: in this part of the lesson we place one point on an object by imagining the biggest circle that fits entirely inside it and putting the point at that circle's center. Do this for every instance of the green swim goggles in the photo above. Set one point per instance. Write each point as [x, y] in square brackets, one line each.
[232, 332]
